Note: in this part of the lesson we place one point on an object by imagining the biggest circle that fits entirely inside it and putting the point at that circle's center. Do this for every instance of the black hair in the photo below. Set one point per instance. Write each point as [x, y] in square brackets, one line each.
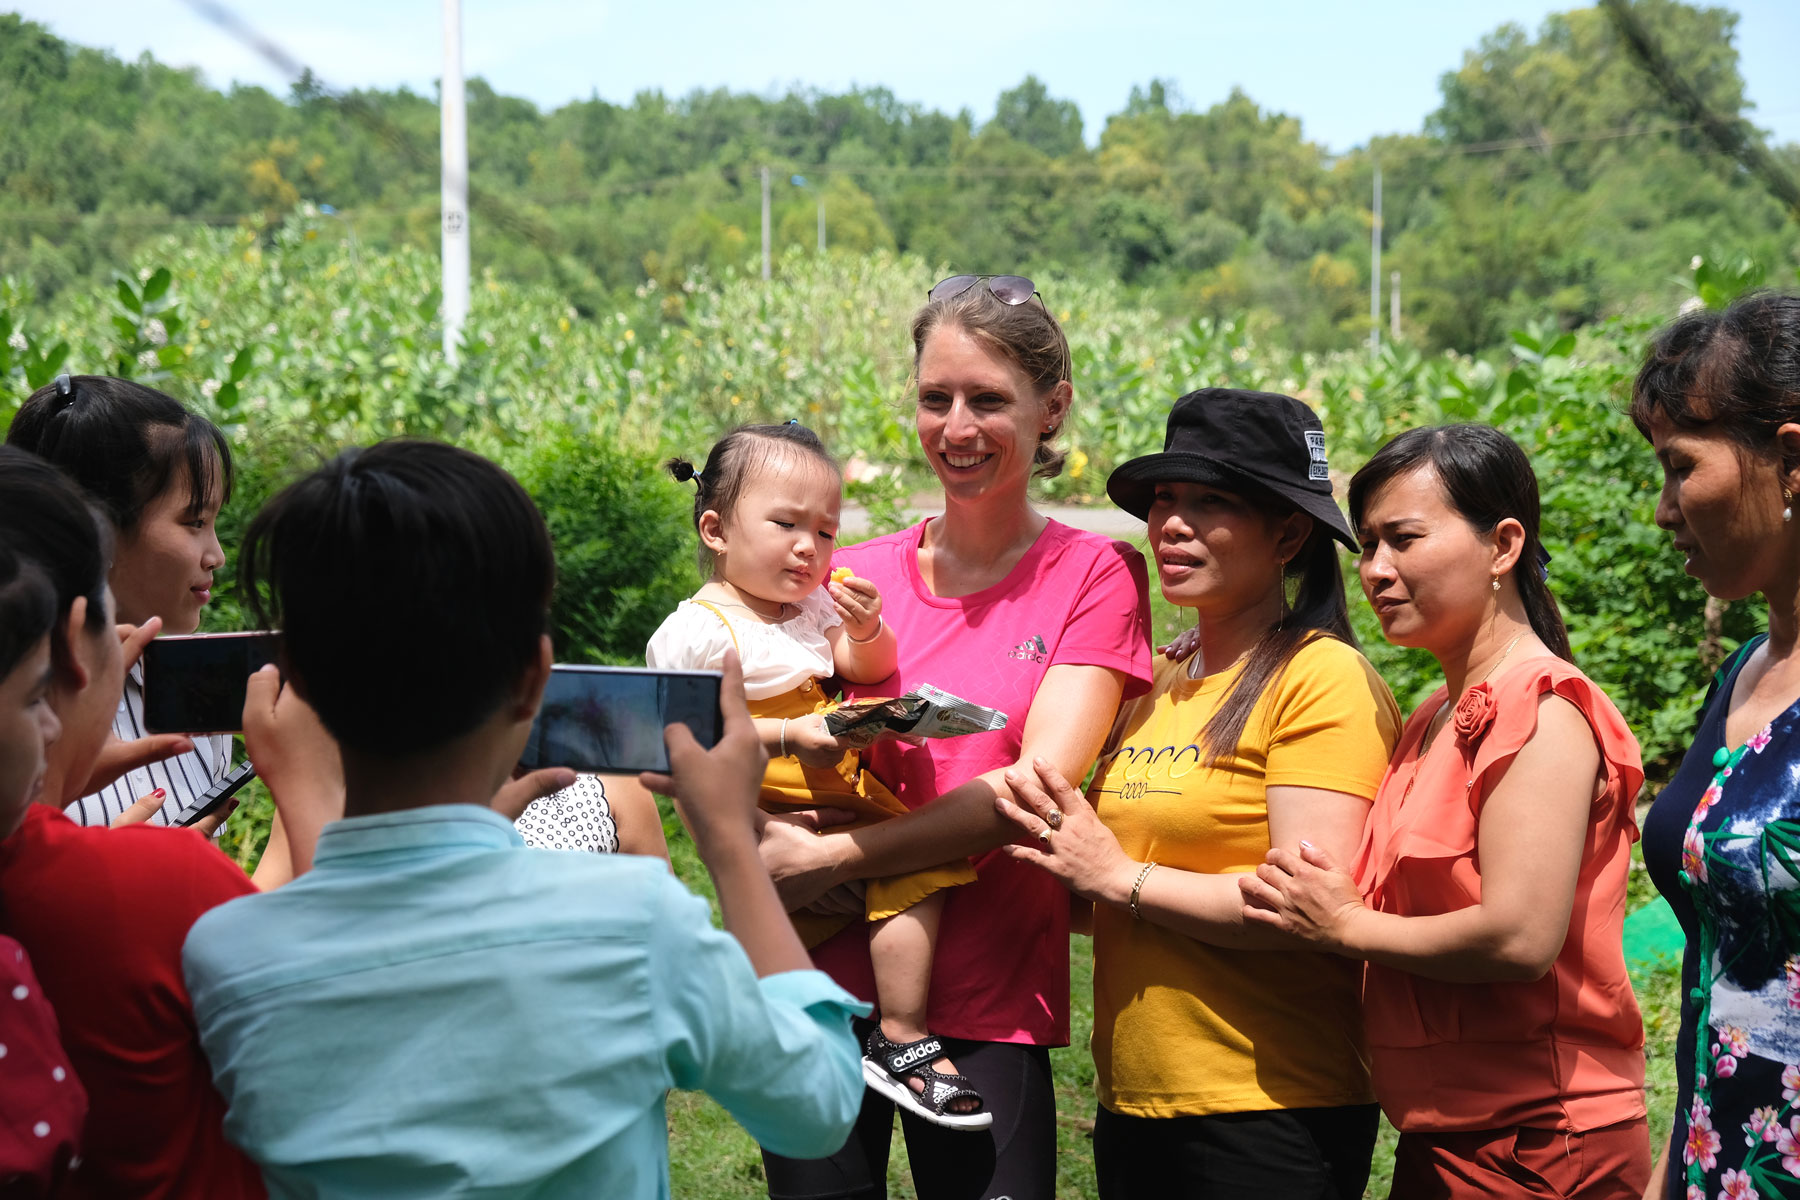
[410, 583]
[1486, 478]
[27, 607]
[1318, 609]
[1737, 371]
[721, 482]
[1023, 334]
[47, 519]
[125, 443]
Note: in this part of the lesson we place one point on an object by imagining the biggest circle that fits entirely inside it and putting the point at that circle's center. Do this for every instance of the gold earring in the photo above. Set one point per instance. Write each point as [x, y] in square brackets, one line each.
[1496, 581]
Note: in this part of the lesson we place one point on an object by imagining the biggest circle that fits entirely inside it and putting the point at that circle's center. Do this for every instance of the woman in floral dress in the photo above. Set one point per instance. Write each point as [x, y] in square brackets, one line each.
[1719, 399]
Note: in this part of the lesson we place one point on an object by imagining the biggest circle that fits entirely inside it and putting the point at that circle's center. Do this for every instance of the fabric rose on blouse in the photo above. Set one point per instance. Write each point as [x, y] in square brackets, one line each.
[1474, 714]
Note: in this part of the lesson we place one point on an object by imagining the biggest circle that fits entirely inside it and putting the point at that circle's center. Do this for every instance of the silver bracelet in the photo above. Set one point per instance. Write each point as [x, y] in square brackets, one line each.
[879, 622]
[1137, 888]
[784, 722]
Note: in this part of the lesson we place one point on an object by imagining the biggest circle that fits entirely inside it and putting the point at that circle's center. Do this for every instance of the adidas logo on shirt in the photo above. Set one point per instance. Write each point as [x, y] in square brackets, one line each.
[1032, 649]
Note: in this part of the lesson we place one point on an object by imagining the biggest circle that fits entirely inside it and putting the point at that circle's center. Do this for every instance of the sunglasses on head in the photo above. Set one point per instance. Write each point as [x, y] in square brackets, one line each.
[1007, 289]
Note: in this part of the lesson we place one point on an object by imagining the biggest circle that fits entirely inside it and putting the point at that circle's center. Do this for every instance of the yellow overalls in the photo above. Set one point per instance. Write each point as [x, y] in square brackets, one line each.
[789, 784]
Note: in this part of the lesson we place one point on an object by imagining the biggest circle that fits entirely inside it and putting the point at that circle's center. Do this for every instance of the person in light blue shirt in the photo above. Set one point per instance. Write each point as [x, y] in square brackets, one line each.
[435, 1009]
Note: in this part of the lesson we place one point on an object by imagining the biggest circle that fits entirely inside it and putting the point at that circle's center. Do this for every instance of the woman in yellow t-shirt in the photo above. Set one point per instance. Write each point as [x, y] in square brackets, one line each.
[1229, 1058]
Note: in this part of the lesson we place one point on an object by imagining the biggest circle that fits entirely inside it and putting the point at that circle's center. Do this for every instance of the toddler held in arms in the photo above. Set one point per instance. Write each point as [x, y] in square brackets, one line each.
[766, 509]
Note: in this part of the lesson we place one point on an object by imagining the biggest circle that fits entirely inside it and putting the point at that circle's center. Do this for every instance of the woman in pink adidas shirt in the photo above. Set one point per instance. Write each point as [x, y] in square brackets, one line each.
[1000, 605]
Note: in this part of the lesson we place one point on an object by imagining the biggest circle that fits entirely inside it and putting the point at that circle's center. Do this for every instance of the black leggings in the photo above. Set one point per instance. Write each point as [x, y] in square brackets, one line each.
[1294, 1153]
[1013, 1158]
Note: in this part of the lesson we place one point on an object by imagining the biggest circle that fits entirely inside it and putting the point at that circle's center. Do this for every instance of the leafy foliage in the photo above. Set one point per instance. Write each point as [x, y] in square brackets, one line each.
[323, 345]
[1549, 180]
[622, 563]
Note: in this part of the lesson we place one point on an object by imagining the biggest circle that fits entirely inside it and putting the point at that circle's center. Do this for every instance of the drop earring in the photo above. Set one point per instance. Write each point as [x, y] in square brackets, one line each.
[1787, 506]
[1496, 581]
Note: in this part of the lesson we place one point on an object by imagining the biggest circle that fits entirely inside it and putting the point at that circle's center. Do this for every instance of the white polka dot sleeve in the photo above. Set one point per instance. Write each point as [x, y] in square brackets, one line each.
[577, 818]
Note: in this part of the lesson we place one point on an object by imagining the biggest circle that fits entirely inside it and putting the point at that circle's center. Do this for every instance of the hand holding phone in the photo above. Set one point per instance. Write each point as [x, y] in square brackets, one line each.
[715, 786]
[299, 760]
[218, 795]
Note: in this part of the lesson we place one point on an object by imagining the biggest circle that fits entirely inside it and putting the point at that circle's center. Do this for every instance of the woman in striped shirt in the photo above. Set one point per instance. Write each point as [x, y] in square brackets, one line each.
[160, 473]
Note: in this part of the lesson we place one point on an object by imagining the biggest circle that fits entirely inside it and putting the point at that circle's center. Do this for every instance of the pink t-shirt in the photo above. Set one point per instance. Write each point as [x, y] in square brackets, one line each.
[1001, 972]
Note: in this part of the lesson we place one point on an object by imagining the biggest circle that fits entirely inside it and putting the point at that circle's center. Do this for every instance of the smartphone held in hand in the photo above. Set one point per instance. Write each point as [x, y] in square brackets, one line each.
[194, 683]
[219, 795]
[611, 719]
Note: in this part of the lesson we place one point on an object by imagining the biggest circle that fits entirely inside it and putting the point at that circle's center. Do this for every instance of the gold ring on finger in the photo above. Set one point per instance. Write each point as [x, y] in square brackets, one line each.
[1044, 837]
[1054, 818]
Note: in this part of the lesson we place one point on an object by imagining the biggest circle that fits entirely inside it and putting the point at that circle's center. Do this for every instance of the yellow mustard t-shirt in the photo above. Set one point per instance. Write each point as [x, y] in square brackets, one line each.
[1182, 1028]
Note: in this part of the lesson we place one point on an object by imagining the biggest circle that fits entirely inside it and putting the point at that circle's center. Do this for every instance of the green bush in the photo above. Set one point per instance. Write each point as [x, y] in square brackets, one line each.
[624, 543]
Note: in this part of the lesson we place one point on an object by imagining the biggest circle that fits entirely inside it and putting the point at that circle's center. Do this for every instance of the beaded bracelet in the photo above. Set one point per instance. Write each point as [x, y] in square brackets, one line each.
[1138, 887]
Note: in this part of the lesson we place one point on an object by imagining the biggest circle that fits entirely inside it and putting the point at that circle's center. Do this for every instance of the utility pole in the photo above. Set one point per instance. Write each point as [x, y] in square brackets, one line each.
[799, 181]
[765, 187]
[1394, 305]
[1375, 271]
[454, 143]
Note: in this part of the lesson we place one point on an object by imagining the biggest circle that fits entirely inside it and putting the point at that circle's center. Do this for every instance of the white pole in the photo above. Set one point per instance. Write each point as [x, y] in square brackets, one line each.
[765, 183]
[454, 141]
[1394, 305]
[821, 221]
[1375, 271]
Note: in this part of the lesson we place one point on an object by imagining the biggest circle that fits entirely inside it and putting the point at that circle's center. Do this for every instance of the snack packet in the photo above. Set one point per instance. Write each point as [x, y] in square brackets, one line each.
[926, 711]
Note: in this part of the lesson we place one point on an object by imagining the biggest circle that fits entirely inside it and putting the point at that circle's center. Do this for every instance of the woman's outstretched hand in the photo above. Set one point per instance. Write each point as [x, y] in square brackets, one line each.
[1306, 894]
[1060, 832]
[796, 851]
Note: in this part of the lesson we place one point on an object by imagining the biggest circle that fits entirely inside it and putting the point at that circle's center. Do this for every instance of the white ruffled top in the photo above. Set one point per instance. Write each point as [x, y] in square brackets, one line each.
[776, 658]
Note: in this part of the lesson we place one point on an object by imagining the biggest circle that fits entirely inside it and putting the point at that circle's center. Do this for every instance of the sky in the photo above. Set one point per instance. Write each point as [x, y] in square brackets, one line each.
[1348, 71]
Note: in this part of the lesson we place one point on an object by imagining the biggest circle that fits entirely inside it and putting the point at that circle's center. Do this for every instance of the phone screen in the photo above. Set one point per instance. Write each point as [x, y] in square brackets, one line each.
[611, 718]
[194, 683]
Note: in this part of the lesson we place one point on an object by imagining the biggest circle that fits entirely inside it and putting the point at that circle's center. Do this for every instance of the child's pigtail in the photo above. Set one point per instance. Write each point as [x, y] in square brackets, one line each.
[681, 470]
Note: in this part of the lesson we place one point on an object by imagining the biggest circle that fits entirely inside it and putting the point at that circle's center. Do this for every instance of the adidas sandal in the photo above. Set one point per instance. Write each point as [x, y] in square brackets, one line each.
[887, 1065]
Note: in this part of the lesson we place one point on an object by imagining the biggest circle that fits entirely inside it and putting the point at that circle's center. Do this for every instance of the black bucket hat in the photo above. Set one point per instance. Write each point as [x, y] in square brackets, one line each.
[1258, 443]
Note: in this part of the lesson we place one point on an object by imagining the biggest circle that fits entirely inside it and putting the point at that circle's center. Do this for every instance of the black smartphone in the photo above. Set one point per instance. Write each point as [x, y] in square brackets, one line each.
[218, 794]
[610, 719]
[194, 683]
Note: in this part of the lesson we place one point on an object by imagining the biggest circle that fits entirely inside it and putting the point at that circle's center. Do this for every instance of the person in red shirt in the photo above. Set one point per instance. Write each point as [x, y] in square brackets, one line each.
[42, 1104]
[103, 912]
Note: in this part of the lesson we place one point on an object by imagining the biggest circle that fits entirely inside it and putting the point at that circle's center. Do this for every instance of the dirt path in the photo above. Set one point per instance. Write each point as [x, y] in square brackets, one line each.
[1095, 518]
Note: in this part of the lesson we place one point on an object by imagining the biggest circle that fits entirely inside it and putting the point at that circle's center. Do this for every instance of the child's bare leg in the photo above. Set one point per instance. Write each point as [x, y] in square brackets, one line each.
[901, 948]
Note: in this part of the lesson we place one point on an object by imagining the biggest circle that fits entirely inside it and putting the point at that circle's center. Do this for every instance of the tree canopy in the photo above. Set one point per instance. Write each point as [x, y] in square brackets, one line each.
[1552, 175]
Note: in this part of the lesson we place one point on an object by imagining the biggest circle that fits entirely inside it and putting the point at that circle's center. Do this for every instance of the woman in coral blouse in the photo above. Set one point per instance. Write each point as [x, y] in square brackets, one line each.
[1488, 895]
